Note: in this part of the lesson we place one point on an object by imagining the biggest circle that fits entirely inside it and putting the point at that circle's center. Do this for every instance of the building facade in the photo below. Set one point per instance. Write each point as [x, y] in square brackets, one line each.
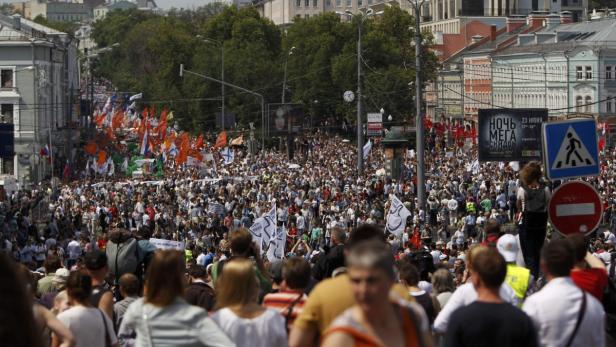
[568, 69]
[38, 85]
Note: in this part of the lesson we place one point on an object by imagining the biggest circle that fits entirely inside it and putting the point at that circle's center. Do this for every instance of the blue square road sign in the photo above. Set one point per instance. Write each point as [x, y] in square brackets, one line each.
[570, 148]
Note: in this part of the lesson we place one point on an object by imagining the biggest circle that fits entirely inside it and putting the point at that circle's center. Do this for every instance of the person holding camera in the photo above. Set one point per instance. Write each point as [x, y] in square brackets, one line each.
[242, 246]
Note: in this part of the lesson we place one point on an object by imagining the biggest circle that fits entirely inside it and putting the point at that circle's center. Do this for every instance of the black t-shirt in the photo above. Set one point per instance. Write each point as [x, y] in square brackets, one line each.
[489, 324]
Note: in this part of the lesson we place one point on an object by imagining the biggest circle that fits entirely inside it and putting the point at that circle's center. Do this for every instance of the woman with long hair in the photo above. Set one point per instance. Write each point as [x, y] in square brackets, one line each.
[532, 201]
[89, 325]
[46, 320]
[17, 324]
[162, 317]
[239, 315]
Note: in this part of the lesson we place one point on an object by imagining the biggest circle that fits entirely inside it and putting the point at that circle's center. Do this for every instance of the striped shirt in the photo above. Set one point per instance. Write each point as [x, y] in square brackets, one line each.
[288, 303]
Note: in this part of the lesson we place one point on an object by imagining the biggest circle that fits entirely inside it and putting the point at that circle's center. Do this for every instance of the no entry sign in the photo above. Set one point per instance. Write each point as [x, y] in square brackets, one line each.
[575, 207]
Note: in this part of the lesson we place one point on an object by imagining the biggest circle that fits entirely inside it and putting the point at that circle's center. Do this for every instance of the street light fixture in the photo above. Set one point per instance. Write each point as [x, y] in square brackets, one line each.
[360, 145]
[222, 73]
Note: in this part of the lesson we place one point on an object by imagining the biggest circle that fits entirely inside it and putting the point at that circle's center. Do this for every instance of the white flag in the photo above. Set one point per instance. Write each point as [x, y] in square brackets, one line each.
[227, 155]
[396, 217]
[111, 167]
[269, 227]
[277, 245]
[367, 149]
[136, 96]
[125, 165]
[256, 230]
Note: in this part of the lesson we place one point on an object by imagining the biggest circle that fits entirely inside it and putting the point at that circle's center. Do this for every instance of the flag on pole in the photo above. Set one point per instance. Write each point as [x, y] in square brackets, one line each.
[135, 97]
[221, 141]
[277, 244]
[396, 217]
[269, 227]
[110, 167]
[145, 143]
[367, 149]
[228, 155]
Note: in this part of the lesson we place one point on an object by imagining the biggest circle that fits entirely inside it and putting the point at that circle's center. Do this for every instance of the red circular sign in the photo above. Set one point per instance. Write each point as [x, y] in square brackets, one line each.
[575, 207]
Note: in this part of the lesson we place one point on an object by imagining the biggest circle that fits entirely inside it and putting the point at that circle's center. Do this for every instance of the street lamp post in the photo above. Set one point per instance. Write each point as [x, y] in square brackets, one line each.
[284, 89]
[360, 150]
[284, 80]
[421, 187]
[222, 75]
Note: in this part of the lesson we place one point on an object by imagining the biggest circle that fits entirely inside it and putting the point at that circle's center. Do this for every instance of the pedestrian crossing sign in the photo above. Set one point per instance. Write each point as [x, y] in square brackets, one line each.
[570, 148]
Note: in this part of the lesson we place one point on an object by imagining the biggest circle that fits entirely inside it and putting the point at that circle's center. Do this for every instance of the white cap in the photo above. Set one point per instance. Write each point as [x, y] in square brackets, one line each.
[507, 246]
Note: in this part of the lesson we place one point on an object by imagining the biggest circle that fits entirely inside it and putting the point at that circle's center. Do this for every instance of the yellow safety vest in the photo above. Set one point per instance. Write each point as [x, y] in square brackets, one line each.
[188, 255]
[518, 278]
[470, 207]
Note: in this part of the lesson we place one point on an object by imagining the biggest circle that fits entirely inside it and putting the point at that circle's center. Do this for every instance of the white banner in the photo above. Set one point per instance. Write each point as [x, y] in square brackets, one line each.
[396, 217]
[167, 244]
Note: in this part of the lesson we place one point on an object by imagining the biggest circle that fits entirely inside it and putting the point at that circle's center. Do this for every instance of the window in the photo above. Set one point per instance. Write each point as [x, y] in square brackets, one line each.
[306, 16]
[307, 3]
[587, 102]
[315, 3]
[370, 2]
[608, 72]
[588, 70]
[328, 3]
[338, 3]
[360, 3]
[578, 72]
[6, 78]
[298, 3]
[608, 106]
[578, 104]
[6, 113]
[349, 3]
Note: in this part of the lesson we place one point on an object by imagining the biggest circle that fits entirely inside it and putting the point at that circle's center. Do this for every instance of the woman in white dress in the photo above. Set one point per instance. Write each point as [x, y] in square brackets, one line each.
[239, 315]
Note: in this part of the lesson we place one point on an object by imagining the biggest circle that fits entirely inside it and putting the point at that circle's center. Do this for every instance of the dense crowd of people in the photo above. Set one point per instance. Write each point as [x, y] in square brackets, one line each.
[82, 263]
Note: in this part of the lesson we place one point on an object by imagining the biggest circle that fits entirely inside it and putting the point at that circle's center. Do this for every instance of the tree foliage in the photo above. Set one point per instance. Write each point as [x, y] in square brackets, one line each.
[321, 67]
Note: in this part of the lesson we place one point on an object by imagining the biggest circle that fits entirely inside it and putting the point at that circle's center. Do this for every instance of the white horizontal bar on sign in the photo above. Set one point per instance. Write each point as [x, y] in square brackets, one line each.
[565, 210]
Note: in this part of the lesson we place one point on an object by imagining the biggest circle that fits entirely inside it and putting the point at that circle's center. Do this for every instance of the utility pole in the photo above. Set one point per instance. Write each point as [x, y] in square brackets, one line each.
[286, 109]
[421, 186]
[360, 149]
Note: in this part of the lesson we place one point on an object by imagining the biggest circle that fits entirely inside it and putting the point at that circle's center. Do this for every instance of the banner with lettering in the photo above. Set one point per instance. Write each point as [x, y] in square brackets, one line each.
[510, 134]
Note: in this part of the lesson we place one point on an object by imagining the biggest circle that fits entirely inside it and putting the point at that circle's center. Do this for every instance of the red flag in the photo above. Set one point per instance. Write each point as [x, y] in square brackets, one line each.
[221, 141]
[601, 143]
[161, 129]
[427, 123]
[416, 239]
[66, 172]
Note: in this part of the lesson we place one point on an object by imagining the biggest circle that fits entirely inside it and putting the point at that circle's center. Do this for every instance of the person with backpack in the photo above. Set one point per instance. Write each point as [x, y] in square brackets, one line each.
[123, 254]
[532, 200]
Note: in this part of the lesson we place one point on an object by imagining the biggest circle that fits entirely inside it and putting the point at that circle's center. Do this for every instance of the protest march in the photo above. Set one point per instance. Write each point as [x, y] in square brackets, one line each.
[159, 237]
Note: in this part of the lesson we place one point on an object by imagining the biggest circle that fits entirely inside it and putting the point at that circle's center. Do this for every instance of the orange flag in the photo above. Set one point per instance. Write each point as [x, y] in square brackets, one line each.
[90, 148]
[199, 143]
[161, 129]
[184, 148]
[221, 141]
[102, 158]
[117, 120]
